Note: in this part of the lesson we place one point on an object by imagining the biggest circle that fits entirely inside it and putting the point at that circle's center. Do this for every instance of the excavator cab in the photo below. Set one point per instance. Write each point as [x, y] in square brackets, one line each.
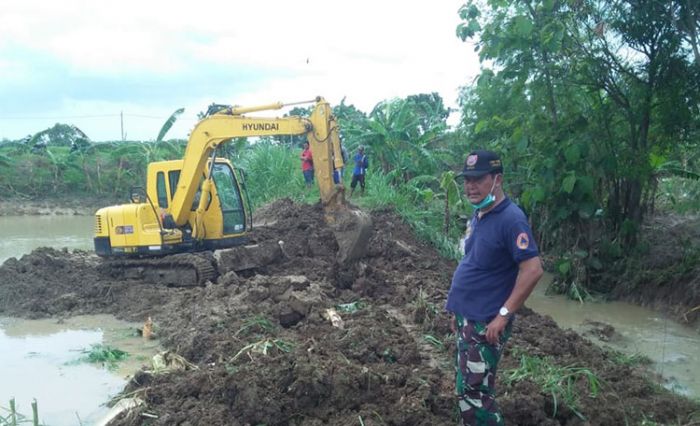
[146, 227]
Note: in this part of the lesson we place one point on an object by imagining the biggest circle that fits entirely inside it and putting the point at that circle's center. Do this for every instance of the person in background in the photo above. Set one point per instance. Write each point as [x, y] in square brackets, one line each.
[338, 173]
[358, 173]
[499, 270]
[307, 165]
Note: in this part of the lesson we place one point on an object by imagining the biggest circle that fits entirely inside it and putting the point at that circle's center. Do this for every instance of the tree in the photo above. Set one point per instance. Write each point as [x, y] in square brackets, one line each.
[689, 23]
[581, 95]
[349, 120]
[59, 135]
[404, 136]
[430, 110]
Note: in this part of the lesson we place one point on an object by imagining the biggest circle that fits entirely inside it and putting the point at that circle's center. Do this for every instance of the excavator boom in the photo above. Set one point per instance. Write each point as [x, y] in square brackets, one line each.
[320, 128]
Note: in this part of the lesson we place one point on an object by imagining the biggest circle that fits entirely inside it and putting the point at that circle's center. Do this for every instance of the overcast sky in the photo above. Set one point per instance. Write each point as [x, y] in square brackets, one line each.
[85, 62]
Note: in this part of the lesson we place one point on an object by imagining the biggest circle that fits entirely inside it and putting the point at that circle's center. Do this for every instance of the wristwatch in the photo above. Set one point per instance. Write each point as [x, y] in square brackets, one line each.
[504, 312]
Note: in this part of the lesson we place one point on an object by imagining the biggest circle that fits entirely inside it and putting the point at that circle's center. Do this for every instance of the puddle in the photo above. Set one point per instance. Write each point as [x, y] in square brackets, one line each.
[673, 348]
[40, 359]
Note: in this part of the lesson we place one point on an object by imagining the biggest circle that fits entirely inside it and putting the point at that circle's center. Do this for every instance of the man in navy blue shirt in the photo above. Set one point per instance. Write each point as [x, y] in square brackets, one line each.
[358, 173]
[499, 270]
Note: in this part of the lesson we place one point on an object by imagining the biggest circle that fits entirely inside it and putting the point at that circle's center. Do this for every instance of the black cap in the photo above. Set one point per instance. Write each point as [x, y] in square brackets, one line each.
[481, 162]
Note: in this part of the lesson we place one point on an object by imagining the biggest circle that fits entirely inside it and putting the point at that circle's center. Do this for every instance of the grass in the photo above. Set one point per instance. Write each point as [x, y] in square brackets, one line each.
[256, 324]
[571, 290]
[560, 382]
[633, 359]
[434, 341]
[104, 355]
[273, 172]
[577, 292]
[424, 312]
[14, 418]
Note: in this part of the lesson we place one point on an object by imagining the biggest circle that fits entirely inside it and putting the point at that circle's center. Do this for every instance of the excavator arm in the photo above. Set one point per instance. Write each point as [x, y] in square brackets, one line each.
[211, 132]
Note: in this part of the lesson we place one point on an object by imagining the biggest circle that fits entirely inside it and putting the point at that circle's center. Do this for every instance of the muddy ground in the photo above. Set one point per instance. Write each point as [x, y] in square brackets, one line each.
[265, 353]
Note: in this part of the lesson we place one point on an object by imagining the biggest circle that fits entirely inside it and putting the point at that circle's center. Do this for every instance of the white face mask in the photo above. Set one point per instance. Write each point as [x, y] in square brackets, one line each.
[487, 201]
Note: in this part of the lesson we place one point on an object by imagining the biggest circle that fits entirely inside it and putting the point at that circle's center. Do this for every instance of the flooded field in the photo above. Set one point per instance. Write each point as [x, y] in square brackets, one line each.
[45, 360]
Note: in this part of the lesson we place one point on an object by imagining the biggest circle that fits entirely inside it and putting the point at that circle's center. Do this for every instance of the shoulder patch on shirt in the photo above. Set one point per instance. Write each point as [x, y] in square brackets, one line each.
[523, 241]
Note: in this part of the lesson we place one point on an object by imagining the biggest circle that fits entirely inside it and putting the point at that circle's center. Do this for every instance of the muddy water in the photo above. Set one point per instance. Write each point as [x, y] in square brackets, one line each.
[674, 348]
[21, 234]
[44, 360]
[40, 359]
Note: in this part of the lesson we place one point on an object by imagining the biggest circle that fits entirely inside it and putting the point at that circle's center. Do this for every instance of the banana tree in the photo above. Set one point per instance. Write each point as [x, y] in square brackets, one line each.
[169, 123]
[396, 138]
[451, 192]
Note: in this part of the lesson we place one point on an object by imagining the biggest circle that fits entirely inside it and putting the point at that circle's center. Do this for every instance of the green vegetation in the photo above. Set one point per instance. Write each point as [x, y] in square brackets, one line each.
[104, 355]
[425, 313]
[560, 382]
[596, 103]
[261, 331]
[256, 324]
[632, 359]
[439, 344]
[13, 418]
[679, 194]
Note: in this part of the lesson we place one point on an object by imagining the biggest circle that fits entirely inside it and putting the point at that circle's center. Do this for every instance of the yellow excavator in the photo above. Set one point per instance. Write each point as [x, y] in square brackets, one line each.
[199, 203]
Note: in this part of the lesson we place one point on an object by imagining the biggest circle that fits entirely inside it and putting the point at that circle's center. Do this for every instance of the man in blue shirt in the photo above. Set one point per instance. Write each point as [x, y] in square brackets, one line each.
[499, 270]
[358, 173]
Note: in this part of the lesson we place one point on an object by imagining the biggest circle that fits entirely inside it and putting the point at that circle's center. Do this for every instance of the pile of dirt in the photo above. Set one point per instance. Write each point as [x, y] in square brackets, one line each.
[666, 275]
[267, 352]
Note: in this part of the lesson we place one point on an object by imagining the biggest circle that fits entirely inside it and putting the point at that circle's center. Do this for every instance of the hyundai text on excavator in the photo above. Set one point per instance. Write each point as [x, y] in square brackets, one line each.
[199, 203]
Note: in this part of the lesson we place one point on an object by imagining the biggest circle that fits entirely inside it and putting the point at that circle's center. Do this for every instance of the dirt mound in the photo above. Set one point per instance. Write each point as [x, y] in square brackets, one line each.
[267, 353]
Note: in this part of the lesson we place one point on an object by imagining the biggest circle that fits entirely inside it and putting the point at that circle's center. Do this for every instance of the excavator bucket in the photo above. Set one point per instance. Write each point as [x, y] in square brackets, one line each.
[351, 226]
[352, 229]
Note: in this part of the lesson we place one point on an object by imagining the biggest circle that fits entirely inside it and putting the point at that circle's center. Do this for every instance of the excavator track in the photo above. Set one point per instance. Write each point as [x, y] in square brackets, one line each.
[175, 270]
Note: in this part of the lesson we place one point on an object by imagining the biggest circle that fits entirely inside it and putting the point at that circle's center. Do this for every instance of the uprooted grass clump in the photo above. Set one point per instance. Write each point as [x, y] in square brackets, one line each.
[104, 355]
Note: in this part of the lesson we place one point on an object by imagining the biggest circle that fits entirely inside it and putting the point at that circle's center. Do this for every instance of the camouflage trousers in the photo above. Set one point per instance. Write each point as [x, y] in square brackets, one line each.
[475, 366]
